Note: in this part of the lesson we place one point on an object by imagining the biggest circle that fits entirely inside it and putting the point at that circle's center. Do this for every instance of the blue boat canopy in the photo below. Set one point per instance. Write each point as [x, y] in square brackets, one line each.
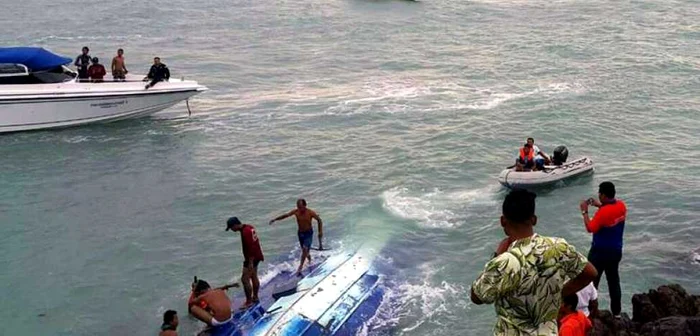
[36, 59]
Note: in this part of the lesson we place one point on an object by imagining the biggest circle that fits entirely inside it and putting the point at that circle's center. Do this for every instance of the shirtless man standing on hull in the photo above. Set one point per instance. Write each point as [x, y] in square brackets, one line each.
[306, 231]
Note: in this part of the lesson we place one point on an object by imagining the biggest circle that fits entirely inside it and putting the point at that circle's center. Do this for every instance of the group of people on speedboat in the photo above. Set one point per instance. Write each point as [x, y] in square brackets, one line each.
[212, 305]
[90, 69]
[531, 158]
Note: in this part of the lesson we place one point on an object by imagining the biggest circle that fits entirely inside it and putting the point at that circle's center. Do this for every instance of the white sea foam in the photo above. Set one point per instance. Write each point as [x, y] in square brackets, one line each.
[76, 139]
[491, 100]
[695, 257]
[383, 96]
[423, 299]
[435, 209]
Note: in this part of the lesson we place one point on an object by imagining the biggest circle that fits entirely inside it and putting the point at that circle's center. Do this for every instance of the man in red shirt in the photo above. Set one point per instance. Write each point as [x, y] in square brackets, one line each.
[252, 256]
[96, 71]
[607, 227]
[572, 322]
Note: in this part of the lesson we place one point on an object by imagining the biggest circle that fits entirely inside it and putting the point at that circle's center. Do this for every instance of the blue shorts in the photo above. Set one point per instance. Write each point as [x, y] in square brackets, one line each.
[306, 238]
[539, 163]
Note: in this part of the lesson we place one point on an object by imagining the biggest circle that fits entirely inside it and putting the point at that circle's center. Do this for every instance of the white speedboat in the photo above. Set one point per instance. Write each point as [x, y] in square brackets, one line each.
[38, 91]
[551, 174]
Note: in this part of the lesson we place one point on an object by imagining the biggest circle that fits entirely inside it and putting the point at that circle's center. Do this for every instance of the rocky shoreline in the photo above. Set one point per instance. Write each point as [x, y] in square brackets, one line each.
[666, 311]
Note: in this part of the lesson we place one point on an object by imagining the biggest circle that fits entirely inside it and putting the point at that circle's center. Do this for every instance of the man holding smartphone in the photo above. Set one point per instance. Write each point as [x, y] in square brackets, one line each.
[607, 227]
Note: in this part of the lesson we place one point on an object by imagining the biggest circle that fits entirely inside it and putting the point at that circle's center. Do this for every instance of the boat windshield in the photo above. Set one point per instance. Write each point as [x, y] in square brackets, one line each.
[11, 74]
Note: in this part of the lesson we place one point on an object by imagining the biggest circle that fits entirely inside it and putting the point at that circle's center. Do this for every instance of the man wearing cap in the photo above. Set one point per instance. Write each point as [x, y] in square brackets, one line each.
[252, 256]
[96, 71]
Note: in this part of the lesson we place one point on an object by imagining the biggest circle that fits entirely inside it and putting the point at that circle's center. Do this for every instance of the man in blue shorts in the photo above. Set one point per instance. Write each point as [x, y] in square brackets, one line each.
[304, 217]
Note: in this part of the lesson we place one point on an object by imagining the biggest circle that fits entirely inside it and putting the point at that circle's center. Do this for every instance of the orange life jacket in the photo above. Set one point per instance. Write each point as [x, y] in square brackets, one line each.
[530, 156]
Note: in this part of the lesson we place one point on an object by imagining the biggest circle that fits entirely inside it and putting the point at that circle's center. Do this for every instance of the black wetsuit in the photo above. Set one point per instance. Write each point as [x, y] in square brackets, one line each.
[158, 72]
[82, 62]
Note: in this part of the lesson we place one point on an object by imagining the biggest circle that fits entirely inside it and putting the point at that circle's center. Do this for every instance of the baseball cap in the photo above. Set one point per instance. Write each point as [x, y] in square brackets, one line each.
[231, 222]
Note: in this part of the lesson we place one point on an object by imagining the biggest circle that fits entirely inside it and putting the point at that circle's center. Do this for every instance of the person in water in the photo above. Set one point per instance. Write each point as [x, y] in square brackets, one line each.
[159, 72]
[252, 256]
[607, 227]
[170, 323]
[119, 66]
[305, 231]
[541, 158]
[572, 322]
[528, 278]
[96, 71]
[526, 159]
[211, 306]
[82, 62]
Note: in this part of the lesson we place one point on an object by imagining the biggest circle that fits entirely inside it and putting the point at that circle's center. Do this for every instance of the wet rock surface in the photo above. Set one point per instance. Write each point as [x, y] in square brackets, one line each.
[666, 311]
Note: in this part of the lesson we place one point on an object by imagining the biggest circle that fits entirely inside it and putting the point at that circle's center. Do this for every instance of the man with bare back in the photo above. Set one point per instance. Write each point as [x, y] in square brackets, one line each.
[211, 306]
[306, 231]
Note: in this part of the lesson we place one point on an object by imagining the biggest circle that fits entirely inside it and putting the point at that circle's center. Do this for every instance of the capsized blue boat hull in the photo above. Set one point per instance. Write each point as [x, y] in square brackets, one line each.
[337, 297]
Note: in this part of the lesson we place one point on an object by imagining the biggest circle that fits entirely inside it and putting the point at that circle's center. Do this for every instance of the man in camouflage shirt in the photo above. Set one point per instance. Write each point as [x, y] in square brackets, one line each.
[527, 280]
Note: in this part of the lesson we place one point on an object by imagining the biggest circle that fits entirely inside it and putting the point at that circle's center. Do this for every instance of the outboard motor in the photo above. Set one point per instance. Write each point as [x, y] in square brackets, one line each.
[560, 155]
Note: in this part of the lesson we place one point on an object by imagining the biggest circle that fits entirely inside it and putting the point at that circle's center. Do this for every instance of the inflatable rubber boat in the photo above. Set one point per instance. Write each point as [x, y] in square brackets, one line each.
[558, 171]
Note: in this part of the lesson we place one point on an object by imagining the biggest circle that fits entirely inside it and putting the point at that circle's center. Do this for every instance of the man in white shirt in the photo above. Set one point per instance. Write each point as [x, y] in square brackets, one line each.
[588, 300]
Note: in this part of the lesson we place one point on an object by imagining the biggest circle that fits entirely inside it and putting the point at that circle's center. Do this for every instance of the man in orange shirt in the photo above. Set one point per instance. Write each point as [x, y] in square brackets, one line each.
[572, 322]
[607, 227]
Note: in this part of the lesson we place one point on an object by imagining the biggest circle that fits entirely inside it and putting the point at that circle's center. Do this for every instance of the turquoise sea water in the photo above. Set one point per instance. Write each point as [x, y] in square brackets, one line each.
[392, 118]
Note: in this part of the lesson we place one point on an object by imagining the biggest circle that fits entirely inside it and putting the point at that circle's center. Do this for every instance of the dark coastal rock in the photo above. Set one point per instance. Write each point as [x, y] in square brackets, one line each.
[666, 311]
[672, 326]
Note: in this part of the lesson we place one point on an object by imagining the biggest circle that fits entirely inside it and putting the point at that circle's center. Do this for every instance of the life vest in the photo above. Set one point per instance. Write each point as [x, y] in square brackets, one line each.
[530, 156]
[202, 304]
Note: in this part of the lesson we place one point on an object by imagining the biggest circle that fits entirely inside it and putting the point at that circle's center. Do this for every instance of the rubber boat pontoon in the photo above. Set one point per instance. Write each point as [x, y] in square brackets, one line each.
[37, 91]
[551, 173]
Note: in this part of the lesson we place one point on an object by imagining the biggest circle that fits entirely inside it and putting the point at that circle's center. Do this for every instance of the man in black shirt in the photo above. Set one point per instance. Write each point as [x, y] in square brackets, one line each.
[159, 72]
[82, 62]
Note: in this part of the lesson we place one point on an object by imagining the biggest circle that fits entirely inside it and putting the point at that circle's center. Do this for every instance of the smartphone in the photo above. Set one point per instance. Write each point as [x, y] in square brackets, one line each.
[590, 201]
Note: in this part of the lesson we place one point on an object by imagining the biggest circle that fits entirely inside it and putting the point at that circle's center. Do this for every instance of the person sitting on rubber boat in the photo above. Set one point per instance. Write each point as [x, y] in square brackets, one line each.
[211, 306]
[526, 159]
[541, 158]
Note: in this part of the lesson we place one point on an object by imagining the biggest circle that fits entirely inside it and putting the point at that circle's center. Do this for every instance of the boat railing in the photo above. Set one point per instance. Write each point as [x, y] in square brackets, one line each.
[116, 80]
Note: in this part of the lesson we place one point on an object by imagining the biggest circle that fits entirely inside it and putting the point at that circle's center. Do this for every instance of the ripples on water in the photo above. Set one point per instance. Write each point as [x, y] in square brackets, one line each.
[392, 118]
